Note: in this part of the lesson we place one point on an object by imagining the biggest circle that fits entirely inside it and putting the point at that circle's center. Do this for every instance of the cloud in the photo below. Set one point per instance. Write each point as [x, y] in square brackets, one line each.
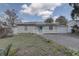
[44, 10]
[45, 14]
[55, 17]
[24, 6]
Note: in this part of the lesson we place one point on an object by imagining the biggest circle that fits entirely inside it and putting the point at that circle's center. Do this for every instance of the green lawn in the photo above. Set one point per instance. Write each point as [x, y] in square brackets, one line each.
[32, 44]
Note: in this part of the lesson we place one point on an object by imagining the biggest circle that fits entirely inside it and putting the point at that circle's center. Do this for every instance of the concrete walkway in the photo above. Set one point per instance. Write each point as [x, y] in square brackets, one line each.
[68, 40]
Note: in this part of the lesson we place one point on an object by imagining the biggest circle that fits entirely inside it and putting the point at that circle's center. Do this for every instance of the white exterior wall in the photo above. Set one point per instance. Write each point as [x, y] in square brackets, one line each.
[62, 29]
[45, 29]
[21, 29]
[56, 29]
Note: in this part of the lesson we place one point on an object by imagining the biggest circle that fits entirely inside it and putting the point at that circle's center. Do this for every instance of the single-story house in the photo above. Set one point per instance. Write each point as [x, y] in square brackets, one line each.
[40, 28]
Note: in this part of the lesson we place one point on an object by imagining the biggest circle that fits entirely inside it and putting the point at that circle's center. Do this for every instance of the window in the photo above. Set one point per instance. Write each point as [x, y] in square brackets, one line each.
[50, 27]
[40, 27]
[25, 28]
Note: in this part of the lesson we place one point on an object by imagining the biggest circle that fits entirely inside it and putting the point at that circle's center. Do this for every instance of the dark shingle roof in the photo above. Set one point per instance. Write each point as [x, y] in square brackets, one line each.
[37, 24]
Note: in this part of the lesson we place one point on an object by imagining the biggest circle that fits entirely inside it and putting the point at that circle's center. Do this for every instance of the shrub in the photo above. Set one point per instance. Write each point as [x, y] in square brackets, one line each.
[8, 51]
[75, 29]
[71, 52]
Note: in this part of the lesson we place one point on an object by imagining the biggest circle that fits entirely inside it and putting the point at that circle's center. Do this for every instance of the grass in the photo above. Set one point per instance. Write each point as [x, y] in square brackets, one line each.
[34, 45]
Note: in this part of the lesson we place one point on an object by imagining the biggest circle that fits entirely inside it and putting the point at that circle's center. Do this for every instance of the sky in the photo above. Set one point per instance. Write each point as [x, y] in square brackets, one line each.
[38, 11]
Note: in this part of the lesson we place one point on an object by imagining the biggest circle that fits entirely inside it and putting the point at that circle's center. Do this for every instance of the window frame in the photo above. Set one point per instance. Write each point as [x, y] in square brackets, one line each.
[50, 27]
[40, 28]
[25, 27]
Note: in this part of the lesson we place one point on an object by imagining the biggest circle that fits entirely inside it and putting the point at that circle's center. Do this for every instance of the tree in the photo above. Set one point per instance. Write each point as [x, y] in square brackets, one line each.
[3, 31]
[49, 20]
[61, 20]
[11, 16]
[75, 16]
[75, 11]
[75, 29]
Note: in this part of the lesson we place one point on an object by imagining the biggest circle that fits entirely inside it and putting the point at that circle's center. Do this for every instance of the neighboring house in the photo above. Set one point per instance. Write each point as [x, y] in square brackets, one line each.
[71, 23]
[40, 28]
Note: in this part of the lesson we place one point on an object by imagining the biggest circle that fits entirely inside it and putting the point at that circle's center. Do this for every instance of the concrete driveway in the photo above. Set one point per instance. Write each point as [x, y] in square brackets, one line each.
[68, 40]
